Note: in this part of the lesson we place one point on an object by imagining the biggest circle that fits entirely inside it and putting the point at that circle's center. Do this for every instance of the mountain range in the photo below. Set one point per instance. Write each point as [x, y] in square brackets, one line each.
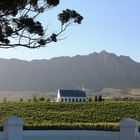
[95, 71]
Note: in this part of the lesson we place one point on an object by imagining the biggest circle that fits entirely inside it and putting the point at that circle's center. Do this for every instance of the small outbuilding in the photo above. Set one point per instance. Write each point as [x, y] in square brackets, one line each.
[71, 95]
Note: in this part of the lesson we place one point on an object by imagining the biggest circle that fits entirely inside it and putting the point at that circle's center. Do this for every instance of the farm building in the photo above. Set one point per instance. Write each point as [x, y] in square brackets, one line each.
[71, 95]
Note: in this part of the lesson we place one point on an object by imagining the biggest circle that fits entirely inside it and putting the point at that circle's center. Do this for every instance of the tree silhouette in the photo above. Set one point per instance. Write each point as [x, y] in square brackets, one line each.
[19, 27]
[96, 98]
[100, 98]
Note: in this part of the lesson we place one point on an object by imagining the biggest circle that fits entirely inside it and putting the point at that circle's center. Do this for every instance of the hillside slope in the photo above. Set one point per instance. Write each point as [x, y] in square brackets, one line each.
[96, 71]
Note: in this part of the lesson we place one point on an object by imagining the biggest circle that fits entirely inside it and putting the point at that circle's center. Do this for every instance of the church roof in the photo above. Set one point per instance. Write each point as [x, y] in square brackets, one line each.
[72, 93]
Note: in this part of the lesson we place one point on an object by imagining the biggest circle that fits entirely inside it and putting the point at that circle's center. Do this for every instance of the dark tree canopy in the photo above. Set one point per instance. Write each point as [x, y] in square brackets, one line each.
[19, 27]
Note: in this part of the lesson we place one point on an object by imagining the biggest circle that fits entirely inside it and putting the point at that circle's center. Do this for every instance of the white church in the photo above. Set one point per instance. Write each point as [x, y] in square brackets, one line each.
[64, 95]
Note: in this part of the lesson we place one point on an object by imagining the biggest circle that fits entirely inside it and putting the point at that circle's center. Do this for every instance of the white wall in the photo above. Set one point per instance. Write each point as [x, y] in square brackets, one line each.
[71, 99]
[13, 130]
[70, 135]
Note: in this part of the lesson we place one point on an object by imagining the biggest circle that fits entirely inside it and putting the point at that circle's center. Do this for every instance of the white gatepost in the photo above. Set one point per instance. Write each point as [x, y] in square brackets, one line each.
[128, 129]
[13, 128]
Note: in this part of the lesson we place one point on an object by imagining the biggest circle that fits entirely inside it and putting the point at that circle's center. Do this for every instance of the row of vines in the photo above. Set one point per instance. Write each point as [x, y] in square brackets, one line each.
[87, 115]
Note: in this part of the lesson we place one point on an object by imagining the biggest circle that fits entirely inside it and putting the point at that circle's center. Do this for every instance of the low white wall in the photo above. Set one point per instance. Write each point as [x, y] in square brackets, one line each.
[1, 136]
[138, 137]
[13, 130]
[70, 135]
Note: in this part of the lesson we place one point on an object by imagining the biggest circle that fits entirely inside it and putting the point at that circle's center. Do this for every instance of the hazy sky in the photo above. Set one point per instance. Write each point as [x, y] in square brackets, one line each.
[111, 25]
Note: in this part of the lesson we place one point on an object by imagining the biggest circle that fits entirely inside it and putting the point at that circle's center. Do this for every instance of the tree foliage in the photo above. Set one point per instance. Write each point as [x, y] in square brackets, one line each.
[19, 25]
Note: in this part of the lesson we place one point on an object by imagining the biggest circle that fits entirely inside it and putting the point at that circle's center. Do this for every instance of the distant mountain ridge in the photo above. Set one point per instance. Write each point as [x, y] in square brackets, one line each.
[96, 71]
